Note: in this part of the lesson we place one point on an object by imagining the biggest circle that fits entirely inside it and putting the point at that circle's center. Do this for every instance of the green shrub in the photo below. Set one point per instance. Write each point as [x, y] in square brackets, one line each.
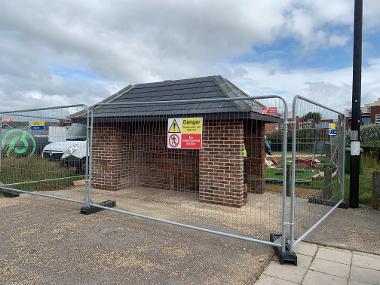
[370, 134]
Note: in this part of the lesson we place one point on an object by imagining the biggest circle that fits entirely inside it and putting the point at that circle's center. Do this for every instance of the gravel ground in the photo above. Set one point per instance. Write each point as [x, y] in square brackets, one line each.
[45, 241]
[258, 218]
[355, 229]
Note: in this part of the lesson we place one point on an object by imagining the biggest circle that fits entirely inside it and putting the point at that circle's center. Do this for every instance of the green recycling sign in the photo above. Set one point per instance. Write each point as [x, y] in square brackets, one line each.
[18, 142]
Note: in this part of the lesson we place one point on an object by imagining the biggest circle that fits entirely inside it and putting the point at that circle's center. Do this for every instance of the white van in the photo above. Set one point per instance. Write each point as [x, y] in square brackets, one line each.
[71, 150]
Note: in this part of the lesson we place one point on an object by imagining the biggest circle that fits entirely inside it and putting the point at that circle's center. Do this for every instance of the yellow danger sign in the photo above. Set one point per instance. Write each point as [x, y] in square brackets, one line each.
[37, 124]
[192, 125]
[174, 127]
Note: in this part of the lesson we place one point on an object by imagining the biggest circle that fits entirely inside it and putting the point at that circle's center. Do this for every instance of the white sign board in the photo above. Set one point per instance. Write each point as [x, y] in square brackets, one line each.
[185, 133]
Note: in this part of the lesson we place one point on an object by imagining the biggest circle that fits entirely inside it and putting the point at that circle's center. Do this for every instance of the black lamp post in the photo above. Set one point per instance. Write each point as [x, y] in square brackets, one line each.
[356, 113]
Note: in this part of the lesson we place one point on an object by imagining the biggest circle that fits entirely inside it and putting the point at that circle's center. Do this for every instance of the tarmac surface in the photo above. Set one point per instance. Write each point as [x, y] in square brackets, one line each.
[354, 229]
[45, 241]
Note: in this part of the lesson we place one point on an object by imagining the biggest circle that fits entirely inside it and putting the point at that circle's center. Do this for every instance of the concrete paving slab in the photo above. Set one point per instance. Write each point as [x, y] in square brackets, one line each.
[365, 275]
[370, 261]
[351, 282]
[304, 260]
[318, 278]
[334, 254]
[331, 268]
[286, 272]
[306, 248]
[269, 280]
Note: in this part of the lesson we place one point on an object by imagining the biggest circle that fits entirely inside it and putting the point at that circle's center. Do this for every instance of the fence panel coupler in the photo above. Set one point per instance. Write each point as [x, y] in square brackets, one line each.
[283, 257]
[87, 210]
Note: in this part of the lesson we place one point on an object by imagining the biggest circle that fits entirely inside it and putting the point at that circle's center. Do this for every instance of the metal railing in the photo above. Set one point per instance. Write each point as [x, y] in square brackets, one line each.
[154, 190]
[37, 155]
[215, 165]
[317, 184]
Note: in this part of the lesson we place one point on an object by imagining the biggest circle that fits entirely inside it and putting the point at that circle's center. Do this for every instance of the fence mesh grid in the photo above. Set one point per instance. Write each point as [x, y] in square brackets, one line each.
[318, 162]
[216, 164]
[229, 180]
[45, 151]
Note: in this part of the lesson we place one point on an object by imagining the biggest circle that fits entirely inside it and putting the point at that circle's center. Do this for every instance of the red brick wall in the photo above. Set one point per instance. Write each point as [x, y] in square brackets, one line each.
[254, 143]
[221, 163]
[126, 154]
[111, 153]
[157, 166]
[374, 110]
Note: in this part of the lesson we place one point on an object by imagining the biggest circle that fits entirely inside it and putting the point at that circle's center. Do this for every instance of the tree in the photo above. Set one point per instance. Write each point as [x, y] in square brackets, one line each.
[312, 116]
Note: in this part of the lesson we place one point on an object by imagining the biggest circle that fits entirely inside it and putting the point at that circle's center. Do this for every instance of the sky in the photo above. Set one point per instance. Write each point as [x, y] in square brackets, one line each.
[68, 52]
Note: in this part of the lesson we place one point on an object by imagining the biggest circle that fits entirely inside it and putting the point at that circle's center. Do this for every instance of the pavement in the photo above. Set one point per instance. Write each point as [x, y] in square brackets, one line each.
[45, 241]
[354, 229]
[324, 265]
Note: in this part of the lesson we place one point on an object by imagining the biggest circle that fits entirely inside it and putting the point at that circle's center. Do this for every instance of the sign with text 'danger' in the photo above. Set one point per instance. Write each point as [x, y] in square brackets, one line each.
[185, 133]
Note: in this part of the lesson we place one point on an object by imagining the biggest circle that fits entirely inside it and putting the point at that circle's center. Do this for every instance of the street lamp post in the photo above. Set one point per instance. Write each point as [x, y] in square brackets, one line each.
[356, 113]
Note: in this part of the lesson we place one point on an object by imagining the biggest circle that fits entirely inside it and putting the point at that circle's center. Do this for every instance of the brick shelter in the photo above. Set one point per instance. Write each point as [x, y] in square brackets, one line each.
[130, 150]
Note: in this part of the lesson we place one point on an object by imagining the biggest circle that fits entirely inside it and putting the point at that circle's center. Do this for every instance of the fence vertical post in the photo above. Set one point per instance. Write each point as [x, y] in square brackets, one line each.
[342, 157]
[288, 179]
[91, 145]
[284, 183]
[293, 181]
[87, 194]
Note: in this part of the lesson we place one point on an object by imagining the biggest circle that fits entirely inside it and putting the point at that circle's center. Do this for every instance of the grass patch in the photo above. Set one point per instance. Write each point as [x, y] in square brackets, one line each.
[26, 170]
[365, 180]
[365, 193]
[303, 177]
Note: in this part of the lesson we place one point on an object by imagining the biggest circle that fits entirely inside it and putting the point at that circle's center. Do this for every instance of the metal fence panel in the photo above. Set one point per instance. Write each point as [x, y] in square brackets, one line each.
[318, 145]
[203, 164]
[44, 152]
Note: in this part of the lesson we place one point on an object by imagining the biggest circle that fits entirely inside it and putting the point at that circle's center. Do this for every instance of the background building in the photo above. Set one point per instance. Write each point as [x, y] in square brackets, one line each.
[370, 114]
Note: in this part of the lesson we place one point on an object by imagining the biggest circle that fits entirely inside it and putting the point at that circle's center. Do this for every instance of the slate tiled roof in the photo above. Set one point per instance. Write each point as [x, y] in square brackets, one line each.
[184, 89]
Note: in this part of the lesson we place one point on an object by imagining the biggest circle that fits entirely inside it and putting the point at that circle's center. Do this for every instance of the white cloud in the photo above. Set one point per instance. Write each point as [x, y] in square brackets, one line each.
[140, 41]
[330, 87]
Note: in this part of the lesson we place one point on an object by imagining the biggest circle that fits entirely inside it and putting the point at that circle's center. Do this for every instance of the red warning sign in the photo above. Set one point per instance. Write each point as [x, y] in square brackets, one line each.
[192, 141]
[269, 110]
[185, 133]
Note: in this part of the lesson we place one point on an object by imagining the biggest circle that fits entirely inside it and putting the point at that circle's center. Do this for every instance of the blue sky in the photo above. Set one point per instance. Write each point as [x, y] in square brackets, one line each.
[69, 72]
[66, 52]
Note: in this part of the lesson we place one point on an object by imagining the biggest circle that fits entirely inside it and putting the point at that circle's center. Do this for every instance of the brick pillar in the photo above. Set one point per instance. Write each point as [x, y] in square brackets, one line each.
[112, 167]
[254, 143]
[221, 179]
